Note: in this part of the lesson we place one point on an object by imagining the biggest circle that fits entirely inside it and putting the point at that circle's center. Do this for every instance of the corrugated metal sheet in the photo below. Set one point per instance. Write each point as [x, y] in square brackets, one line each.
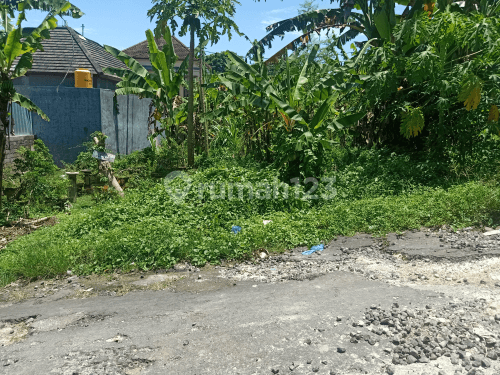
[21, 121]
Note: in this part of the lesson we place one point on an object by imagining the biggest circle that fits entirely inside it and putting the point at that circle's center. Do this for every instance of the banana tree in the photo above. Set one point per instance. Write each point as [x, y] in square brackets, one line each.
[16, 57]
[303, 105]
[161, 86]
[375, 19]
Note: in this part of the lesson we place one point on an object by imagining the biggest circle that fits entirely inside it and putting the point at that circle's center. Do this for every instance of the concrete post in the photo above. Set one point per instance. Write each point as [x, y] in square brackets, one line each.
[87, 180]
[72, 188]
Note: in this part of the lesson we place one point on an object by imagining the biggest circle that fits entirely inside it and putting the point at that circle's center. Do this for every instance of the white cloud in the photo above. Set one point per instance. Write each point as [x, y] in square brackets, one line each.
[270, 21]
[88, 31]
[279, 14]
[283, 10]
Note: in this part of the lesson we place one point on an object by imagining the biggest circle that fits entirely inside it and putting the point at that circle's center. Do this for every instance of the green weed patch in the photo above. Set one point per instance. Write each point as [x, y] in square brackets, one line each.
[148, 229]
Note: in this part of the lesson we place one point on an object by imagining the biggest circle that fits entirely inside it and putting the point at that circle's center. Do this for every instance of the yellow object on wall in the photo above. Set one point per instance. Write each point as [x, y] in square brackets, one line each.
[83, 78]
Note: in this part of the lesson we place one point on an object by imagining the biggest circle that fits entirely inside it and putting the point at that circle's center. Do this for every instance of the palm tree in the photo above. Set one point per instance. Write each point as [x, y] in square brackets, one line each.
[217, 20]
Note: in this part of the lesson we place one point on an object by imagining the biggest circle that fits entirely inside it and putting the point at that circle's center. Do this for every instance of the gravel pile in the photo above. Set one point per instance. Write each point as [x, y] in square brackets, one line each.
[469, 238]
[459, 331]
[289, 267]
[277, 269]
[109, 361]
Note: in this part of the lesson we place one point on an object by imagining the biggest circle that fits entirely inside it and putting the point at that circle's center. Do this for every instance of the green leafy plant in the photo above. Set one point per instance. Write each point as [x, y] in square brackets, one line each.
[303, 107]
[39, 184]
[161, 86]
[433, 85]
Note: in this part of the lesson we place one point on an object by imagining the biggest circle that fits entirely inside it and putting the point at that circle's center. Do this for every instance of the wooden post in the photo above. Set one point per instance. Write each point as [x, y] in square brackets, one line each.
[72, 188]
[105, 168]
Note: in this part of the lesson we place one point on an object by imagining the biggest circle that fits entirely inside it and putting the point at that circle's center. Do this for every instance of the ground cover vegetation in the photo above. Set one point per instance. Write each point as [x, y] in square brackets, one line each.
[401, 133]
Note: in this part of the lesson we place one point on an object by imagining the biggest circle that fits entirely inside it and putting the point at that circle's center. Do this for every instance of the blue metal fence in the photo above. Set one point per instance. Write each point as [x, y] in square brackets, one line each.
[21, 122]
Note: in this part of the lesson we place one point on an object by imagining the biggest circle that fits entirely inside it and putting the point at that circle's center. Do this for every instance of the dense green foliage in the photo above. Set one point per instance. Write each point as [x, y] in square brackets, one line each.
[434, 86]
[217, 62]
[208, 20]
[35, 185]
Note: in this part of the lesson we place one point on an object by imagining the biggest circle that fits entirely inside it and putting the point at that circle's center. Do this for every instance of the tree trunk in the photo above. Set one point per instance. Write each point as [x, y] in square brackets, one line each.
[267, 133]
[105, 168]
[4, 128]
[190, 140]
[202, 101]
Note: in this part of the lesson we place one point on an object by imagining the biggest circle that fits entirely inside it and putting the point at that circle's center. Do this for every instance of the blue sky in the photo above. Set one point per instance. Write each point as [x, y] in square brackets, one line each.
[122, 23]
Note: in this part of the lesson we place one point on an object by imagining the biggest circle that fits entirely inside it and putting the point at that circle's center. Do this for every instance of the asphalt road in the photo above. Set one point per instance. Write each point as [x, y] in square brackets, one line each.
[227, 327]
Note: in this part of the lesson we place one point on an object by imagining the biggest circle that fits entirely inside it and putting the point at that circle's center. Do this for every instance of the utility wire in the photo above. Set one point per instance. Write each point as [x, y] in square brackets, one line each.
[72, 59]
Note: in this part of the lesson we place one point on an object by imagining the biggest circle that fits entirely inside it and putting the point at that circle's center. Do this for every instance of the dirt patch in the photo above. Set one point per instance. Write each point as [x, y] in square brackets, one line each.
[70, 287]
[12, 333]
[22, 228]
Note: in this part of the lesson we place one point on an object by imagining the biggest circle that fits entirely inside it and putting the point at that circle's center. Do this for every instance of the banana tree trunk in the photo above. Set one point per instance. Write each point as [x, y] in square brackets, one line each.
[190, 139]
[267, 133]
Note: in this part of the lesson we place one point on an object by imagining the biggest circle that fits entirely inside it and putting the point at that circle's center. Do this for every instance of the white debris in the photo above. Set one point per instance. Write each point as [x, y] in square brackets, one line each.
[118, 338]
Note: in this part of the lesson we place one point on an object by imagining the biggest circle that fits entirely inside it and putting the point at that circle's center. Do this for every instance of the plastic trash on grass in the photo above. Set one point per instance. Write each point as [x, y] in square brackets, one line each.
[236, 229]
[315, 248]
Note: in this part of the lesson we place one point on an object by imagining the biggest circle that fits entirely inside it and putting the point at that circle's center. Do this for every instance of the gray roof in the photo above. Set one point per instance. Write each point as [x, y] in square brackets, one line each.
[141, 50]
[68, 50]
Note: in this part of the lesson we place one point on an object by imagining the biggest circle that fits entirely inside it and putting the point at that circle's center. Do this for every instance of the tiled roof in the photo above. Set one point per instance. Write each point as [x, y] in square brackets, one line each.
[68, 50]
[141, 50]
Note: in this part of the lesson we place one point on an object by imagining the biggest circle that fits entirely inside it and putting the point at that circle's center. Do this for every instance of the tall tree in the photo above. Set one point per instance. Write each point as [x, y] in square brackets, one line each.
[16, 55]
[217, 62]
[207, 19]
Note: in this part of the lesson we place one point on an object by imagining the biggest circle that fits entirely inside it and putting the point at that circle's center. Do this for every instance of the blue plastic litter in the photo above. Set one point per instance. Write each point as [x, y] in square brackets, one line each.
[315, 248]
[235, 229]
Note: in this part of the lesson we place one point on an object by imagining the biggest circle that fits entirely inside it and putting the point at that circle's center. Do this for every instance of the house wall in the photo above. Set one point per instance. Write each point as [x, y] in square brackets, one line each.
[14, 143]
[127, 129]
[75, 113]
